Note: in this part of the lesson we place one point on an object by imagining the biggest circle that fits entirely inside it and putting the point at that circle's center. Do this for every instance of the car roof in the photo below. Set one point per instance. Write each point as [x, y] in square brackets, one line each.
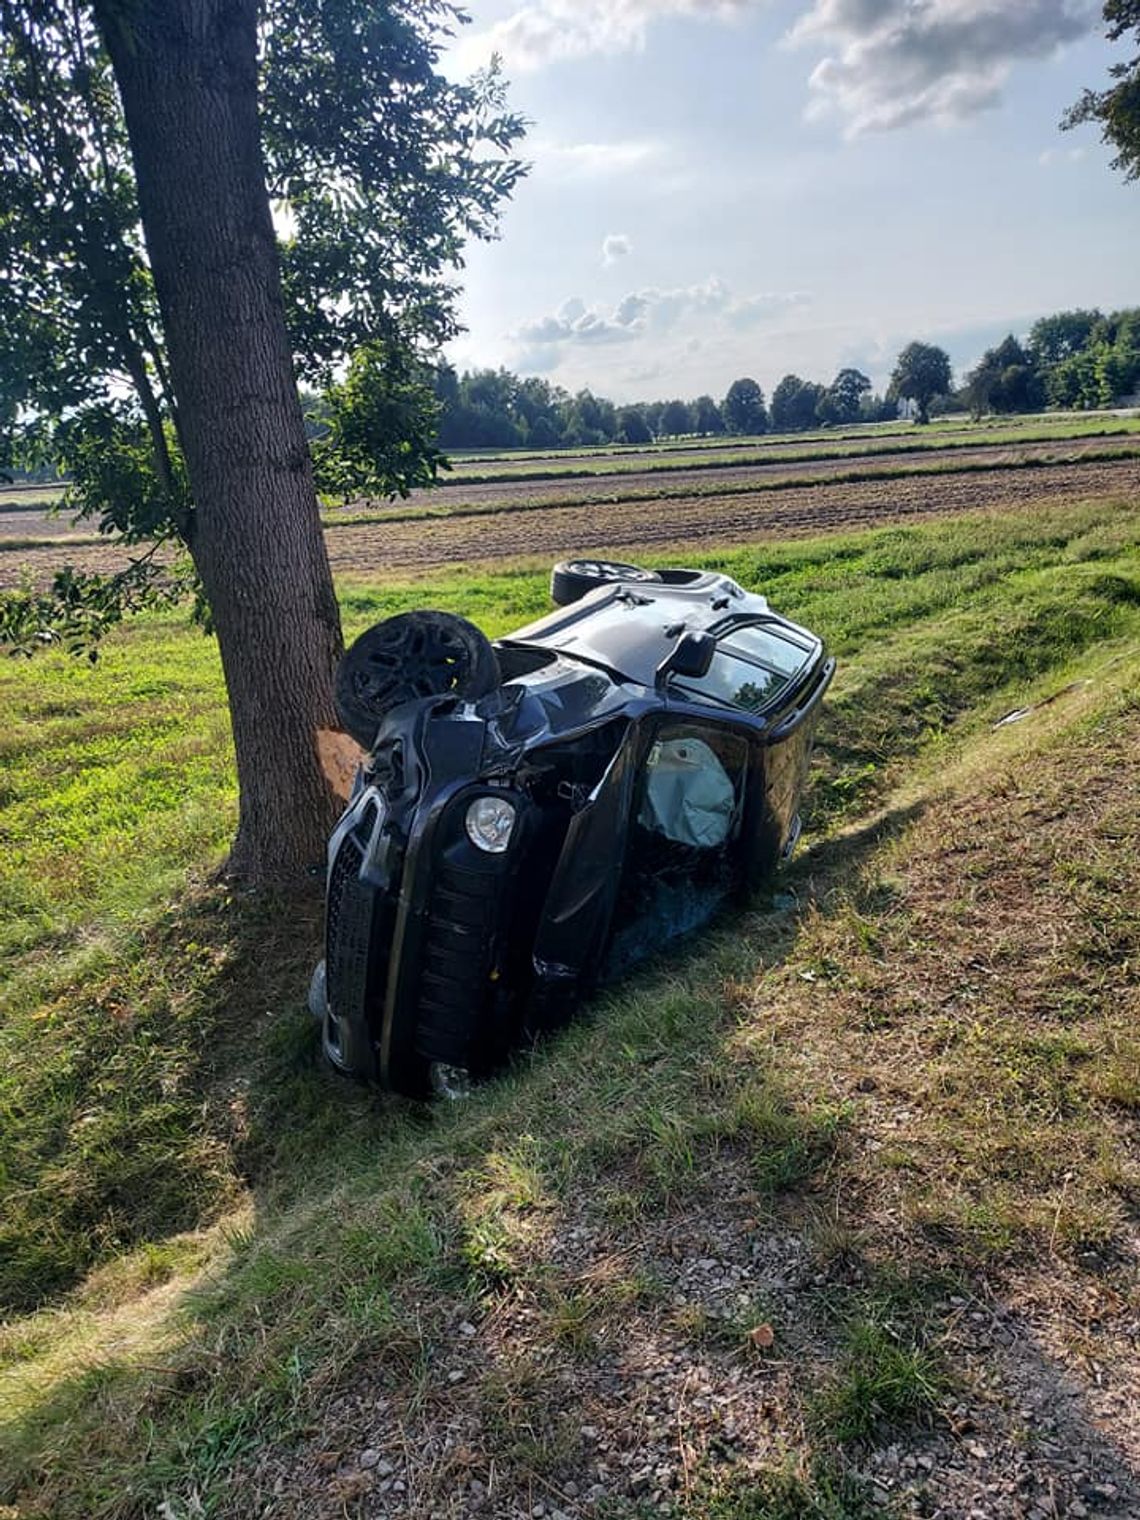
[630, 628]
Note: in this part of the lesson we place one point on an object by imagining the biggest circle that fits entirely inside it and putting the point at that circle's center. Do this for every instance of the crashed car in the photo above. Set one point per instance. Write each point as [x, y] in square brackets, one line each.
[536, 815]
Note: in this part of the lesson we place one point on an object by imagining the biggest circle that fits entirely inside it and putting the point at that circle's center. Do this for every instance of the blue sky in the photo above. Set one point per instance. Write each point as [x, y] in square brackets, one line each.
[731, 187]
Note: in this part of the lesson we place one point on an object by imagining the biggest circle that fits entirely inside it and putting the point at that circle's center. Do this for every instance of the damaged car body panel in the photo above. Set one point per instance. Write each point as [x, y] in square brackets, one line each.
[639, 762]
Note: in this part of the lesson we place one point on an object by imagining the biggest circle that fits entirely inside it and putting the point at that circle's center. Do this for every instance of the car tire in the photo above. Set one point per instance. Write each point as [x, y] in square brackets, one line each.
[344, 1050]
[414, 654]
[572, 579]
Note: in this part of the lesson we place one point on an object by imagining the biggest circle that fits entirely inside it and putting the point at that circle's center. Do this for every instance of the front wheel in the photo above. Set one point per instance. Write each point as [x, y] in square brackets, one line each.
[572, 579]
[345, 1049]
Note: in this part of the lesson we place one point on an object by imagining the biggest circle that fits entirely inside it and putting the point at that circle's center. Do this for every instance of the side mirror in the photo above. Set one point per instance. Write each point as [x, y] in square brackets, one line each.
[690, 656]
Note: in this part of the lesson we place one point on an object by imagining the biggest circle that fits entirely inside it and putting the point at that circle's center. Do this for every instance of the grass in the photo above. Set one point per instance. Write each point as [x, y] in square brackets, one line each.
[929, 1063]
[948, 426]
[784, 1493]
[889, 1372]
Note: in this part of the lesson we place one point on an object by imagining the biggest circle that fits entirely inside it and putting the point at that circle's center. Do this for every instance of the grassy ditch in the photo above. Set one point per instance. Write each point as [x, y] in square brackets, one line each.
[794, 1151]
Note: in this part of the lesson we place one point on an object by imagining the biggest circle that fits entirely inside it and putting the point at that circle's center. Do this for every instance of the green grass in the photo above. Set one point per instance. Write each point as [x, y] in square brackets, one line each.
[889, 1372]
[786, 1494]
[119, 781]
[203, 1237]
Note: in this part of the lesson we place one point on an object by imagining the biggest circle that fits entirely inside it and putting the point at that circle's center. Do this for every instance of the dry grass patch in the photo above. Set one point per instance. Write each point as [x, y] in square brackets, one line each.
[974, 995]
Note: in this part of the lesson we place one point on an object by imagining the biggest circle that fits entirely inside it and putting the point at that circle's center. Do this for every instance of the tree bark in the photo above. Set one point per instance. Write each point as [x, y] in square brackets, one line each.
[187, 74]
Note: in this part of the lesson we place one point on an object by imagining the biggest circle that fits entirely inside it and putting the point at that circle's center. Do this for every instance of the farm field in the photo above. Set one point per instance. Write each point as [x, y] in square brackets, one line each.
[831, 1215]
[472, 521]
[885, 435]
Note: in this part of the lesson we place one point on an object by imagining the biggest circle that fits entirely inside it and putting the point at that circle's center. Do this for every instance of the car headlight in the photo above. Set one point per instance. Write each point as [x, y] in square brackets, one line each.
[490, 822]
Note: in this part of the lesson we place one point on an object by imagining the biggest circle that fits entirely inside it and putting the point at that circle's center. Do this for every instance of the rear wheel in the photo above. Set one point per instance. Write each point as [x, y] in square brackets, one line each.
[572, 579]
[415, 654]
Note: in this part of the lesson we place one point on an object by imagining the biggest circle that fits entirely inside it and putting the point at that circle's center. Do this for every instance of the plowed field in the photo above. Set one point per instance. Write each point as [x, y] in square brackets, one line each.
[577, 526]
[713, 477]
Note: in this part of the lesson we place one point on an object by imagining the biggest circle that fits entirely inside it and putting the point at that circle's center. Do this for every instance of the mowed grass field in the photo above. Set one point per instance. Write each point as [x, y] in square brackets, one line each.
[832, 1213]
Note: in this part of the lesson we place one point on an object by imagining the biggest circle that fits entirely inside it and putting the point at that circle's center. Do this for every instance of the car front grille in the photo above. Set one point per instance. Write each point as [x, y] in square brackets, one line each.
[356, 951]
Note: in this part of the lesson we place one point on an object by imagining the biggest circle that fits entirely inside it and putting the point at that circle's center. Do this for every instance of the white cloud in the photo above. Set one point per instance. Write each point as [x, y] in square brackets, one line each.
[544, 31]
[592, 160]
[891, 64]
[541, 343]
[615, 246]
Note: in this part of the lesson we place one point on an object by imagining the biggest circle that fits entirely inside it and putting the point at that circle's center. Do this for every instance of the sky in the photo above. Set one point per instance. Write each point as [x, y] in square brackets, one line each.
[723, 188]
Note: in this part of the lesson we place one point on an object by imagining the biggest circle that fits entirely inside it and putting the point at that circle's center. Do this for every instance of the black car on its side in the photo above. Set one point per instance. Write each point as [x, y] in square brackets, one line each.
[535, 816]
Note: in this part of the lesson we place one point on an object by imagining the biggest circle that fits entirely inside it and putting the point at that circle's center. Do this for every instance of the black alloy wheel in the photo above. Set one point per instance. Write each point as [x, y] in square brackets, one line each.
[414, 654]
[572, 579]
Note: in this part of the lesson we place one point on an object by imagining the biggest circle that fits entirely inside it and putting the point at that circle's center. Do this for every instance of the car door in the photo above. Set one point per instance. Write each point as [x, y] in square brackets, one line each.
[685, 844]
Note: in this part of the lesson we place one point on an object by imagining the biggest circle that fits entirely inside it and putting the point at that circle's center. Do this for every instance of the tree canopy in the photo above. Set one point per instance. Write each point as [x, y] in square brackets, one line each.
[921, 373]
[795, 403]
[844, 397]
[1116, 110]
[1005, 380]
[379, 168]
[744, 410]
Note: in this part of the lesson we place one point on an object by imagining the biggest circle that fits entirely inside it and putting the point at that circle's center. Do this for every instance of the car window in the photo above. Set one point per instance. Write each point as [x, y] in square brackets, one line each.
[738, 682]
[773, 647]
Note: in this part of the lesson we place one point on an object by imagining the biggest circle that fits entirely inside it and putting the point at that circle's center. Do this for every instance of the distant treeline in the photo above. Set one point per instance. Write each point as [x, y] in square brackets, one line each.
[495, 409]
[1073, 359]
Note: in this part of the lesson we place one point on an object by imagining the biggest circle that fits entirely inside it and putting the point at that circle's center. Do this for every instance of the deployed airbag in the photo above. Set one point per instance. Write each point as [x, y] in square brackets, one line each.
[688, 795]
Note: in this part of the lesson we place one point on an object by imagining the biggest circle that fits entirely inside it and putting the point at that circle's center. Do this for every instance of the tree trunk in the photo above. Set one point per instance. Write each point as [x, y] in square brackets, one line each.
[187, 74]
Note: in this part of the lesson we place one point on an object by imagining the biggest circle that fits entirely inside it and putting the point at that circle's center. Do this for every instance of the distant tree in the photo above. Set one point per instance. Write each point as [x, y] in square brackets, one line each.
[676, 418]
[589, 420]
[446, 384]
[535, 400]
[744, 410]
[794, 404]
[491, 389]
[876, 408]
[632, 426]
[707, 416]
[543, 434]
[652, 411]
[1005, 380]
[843, 397]
[1074, 383]
[1098, 360]
[1116, 110]
[1065, 333]
[1122, 368]
[921, 372]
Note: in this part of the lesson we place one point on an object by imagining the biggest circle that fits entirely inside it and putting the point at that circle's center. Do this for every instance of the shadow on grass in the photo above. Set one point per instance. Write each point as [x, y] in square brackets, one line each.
[378, 1225]
[355, 1195]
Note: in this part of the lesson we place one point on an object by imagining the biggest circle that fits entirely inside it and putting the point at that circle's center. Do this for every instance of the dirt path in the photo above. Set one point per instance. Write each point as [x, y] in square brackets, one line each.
[375, 549]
